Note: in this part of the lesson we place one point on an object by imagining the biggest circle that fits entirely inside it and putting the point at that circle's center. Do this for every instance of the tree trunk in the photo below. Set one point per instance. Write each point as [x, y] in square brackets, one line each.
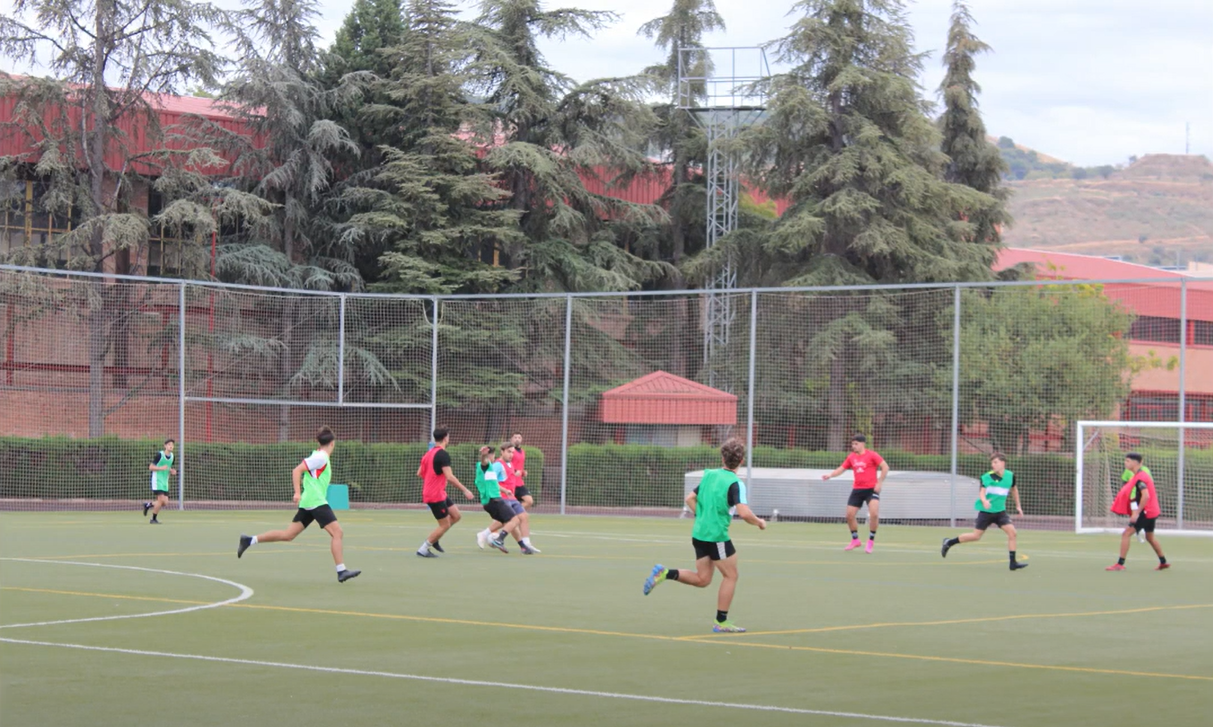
[837, 436]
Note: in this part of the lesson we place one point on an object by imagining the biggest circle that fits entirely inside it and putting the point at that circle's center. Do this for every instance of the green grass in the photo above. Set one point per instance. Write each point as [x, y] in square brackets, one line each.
[900, 633]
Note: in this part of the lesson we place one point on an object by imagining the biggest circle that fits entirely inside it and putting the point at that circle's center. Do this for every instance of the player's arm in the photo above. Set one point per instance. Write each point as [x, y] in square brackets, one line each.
[1147, 494]
[841, 468]
[297, 478]
[745, 513]
[451, 478]
[1015, 493]
[154, 464]
[981, 495]
[692, 500]
[883, 473]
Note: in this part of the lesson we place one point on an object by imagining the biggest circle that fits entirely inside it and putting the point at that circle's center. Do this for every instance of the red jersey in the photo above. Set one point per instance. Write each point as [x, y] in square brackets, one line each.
[512, 480]
[519, 463]
[1143, 479]
[433, 483]
[865, 467]
[1120, 506]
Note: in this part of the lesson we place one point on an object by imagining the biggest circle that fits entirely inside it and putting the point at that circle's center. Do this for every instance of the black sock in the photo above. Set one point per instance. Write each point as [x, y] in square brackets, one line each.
[1120, 561]
[722, 616]
[953, 541]
[1012, 556]
[854, 535]
[1162, 559]
[872, 535]
[671, 574]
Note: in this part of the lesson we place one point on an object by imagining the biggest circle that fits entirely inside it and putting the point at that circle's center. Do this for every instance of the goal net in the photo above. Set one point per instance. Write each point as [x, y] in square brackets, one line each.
[1178, 456]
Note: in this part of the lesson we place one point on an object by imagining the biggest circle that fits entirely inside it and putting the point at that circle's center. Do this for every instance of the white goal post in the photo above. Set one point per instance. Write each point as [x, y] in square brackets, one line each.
[1179, 456]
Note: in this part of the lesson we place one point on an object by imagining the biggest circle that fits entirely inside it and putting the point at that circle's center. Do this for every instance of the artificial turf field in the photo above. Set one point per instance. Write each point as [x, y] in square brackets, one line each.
[566, 638]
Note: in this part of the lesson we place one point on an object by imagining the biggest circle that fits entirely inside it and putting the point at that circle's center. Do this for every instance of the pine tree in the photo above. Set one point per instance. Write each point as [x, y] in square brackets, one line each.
[544, 132]
[370, 28]
[972, 160]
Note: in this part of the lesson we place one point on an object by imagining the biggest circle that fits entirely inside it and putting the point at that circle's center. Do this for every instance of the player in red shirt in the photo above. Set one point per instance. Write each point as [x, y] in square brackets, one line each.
[521, 491]
[865, 464]
[435, 472]
[1145, 512]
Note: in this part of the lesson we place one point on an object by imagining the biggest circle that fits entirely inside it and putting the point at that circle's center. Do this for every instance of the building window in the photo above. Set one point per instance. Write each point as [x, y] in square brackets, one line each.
[1154, 328]
[168, 251]
[24, 224]
[1153, 407]
[1202, 333]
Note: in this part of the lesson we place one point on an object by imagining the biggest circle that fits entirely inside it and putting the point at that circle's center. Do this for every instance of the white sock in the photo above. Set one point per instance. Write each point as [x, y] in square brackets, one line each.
[254, 541]
[487, 533]
[526, 542]
[340, 567]
[425, 547]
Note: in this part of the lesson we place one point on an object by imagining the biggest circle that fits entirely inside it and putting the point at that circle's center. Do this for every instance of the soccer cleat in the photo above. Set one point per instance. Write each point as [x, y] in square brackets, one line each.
[482, 539]
[427, 554]
[1016, 565]
[655, 577]
[945, 548]
[1162, 566]
[347, 574]
[1115, 566]
[534, 549]
[727, 627]
[246, 542]
[868, 548]
[146, 506]
[437, 547]
[499, 544]
[853, 544]
[526, 549]
[153, 521]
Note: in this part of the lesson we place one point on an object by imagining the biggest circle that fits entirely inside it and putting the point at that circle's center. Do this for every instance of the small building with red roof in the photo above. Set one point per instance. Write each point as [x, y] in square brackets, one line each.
[667, 410]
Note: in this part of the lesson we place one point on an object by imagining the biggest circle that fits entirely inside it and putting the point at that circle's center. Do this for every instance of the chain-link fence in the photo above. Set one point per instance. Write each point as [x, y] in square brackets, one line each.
[618, 400]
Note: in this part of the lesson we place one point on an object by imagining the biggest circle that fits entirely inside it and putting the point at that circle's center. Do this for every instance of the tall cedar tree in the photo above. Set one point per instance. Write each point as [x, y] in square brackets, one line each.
[370, 28]
[544, 131]
[113, 61]
[972, 160]
[432, 209]
[847, 139]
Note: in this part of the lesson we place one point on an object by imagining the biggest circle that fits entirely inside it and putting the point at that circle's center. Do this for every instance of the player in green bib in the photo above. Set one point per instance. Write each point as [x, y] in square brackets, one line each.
[161, 467]
[712, 502]
[992, 508]
[490, 474]
[311, 481]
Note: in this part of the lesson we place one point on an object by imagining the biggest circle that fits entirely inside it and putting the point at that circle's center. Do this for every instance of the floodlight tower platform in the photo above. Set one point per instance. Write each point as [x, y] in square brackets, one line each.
[723, 89]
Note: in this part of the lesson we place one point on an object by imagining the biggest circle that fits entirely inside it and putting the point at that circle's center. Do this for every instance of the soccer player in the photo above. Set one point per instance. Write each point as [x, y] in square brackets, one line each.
[711, 501]
[508, 493]
[435, 472]
[489, 475]
[161, 467]
[519, 464]
[312, 475]
[1145, 512]
[992, 508]
[865, 463]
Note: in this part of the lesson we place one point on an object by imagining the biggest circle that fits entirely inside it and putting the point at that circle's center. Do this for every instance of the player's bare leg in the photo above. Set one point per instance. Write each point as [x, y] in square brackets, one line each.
[1125, 538]
[728, 571]
[161, 501]
[273, 536]
[873, 521]
[338, 539]
[1162, 559]
[453, 516]
[853, 525]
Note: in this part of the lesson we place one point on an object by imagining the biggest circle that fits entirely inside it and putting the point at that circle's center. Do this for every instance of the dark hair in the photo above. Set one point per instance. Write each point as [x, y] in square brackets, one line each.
[440, 434]
[486, 451]
[507, 444]
[170, 440]
[859, 438]
[1134, 456]
[733, 453]
[998, 456]
[324, 436]
[516, 434]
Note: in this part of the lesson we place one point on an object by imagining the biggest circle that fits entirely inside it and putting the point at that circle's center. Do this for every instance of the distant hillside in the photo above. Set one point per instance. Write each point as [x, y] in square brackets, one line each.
[1147, 212]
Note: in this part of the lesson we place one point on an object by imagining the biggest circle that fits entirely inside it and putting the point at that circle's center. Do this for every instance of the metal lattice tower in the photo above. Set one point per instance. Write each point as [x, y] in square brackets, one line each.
[721, 89]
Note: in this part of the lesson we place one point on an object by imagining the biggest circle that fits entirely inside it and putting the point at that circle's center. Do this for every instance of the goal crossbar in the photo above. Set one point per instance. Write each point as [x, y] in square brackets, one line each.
[1192, 483]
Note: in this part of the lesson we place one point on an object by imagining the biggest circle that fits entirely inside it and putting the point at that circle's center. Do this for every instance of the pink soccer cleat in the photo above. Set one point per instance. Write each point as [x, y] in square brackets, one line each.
[853, 545]
[1115, 566]
[1162, 566]
[868, 548]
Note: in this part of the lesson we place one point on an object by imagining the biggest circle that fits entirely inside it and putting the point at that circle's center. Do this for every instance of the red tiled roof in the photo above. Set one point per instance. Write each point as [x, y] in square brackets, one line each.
[663, 398]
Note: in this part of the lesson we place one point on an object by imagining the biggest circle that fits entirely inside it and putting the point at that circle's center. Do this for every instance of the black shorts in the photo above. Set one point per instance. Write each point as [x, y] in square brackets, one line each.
[986, 519]
[859, 498]
[715, 551]
[521, 491]
[158, 493]
[441, 509]
[499, 510]
[1145, 523]
[322, 514]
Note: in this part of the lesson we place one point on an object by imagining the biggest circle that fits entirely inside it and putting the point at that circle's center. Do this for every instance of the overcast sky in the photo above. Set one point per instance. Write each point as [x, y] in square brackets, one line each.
[1089, 81]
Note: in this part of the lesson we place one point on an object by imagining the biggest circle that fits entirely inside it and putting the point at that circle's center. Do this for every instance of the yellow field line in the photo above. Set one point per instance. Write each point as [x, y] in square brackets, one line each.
[700, 639]
[954, 660]
[951, 622]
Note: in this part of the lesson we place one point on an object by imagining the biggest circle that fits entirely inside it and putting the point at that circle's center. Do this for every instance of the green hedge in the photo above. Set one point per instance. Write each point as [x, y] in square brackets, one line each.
[112, 468]
[646, 476]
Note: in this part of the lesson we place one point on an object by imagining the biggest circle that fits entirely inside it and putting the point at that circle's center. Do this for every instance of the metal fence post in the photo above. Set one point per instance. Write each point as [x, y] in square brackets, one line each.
[181, 394]
[434, 372]
[341, 350]
[749, 419]
[955, 399]
[564, 409]
[1183, 404]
